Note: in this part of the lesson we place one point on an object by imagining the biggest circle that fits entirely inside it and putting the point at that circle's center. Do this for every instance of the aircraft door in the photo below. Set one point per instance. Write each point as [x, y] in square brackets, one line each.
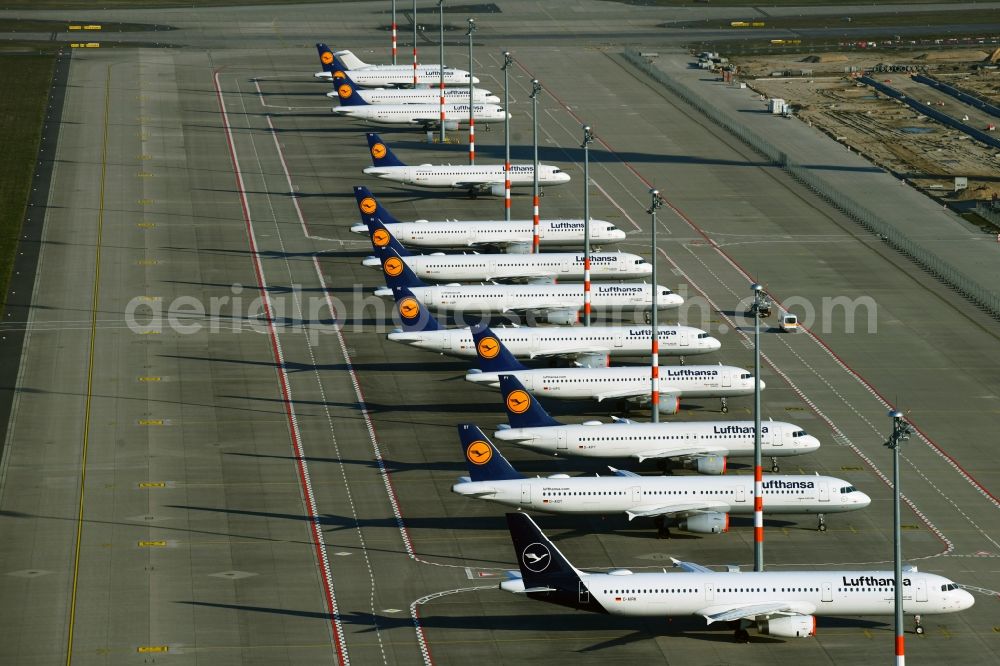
[727, 378]
[584, 596]
[921, 593]
[525, 493]
[566, 265]
[619, 339]
[776, 437]
[709, 592]
[528, 381]
[561, 440]
[741, 494]
[824, 492]
[827, 591]
[636, 493]
[685, 338]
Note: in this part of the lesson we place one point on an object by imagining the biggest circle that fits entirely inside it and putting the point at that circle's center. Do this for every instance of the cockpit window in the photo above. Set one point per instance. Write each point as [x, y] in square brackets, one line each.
[702, 336]
[746, 375]
[612, 227]
[799, 433]
[949, 587]
[848, 489]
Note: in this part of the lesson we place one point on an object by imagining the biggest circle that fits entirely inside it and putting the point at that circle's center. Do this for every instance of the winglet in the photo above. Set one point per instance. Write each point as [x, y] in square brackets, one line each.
[523, 411]
[381, 155]
[485, 462]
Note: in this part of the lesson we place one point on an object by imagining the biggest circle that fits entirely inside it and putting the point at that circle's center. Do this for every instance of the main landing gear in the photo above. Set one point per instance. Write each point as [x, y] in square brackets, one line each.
[741, 635]
[662, 529]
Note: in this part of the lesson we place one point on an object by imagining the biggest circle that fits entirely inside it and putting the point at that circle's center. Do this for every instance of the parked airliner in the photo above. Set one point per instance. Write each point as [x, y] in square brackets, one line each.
[378, 77]
[476, 178]
[514, 237]
[557, 303]
[776, 603]
[588, 346]
[539, 268]
[420, 95]
[630, 383]
[705, 446]
[693, 503]
[427, 115]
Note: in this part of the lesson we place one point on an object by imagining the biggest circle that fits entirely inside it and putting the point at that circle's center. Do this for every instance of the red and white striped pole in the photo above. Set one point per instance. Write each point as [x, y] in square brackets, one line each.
[472, 119]
[507, 62]
[536, 88]
[588, 136]
[393, 32]
[654, 345]
[758, 473]
[414, 43]
[441, 65]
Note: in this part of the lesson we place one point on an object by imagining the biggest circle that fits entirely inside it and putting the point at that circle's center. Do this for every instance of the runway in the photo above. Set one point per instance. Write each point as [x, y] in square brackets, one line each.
[268, 480]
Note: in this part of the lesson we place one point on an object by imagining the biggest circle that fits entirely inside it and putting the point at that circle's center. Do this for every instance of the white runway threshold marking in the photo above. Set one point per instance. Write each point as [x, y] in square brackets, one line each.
[303, 468]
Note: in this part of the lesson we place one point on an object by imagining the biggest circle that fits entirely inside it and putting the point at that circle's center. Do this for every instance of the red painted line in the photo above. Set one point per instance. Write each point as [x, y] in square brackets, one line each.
[293, 428]
[930, 442]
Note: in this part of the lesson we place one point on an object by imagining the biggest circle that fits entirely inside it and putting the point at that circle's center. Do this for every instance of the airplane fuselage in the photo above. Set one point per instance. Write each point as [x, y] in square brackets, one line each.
[498, 233]
[423, 95]
[422, 114]
[689, 381]
[597, 495]
[561, 266]
[468, 177]
[533, 342]
[656, 440]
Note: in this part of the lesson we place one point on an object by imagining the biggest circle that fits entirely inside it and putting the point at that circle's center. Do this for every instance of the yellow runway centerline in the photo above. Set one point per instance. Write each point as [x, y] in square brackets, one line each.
[90, 372]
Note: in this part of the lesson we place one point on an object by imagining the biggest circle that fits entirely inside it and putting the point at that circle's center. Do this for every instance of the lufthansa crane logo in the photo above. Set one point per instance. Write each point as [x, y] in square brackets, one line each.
[339, 75]
[488, 347]
[378, 151]
[380, 237]
[393, 266]
[368, 205]
[409, 308]
[518, 401]
[344, 91]
[479, 452]
[326, 58]
[536, 557]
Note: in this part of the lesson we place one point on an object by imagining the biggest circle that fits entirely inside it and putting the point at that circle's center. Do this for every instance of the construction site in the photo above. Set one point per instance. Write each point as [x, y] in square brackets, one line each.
[926, 116]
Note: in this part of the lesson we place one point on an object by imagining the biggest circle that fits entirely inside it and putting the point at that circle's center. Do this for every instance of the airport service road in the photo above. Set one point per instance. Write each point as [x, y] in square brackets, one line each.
[281, 494]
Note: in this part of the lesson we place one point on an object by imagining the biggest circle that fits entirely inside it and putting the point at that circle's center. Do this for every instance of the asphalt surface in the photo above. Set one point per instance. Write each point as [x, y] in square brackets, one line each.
[271, 488]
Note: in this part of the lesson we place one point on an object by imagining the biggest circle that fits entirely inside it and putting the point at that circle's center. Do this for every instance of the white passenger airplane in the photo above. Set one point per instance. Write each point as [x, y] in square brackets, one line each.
[515, 237]
[587, 346]
[399, 76]
[476, 178]
[705, 446]
[556, 303]
[627, 383]
[420, 95]
[474, 267]
[427, 115]
[776, 603]
[693, 503]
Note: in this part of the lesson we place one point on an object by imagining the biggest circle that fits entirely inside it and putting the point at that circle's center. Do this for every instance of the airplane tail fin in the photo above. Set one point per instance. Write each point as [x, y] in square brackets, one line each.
[485, 462]
[326, 56]
[381, 155]
[382, 238]
[347, 91]
[397, 273]
[412, 314]
[369, 207]
[350, 60]
[543, 567]
[493, 355]
[523, 411]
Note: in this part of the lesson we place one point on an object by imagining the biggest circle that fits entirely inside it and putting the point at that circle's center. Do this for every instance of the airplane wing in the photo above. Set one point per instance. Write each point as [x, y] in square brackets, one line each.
[755, 610]
[479, 185]
[547, 305]
[690, 567]
[570, 351]
[692, 452]
[676, 509]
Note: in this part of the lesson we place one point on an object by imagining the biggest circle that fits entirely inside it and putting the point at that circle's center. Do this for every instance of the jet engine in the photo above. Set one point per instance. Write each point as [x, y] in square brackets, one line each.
[497, 190]
[670, 403]
[789, 626]
[706, 523]
[710, 465]
[518, 248]
[593, 360]
[562, 317]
